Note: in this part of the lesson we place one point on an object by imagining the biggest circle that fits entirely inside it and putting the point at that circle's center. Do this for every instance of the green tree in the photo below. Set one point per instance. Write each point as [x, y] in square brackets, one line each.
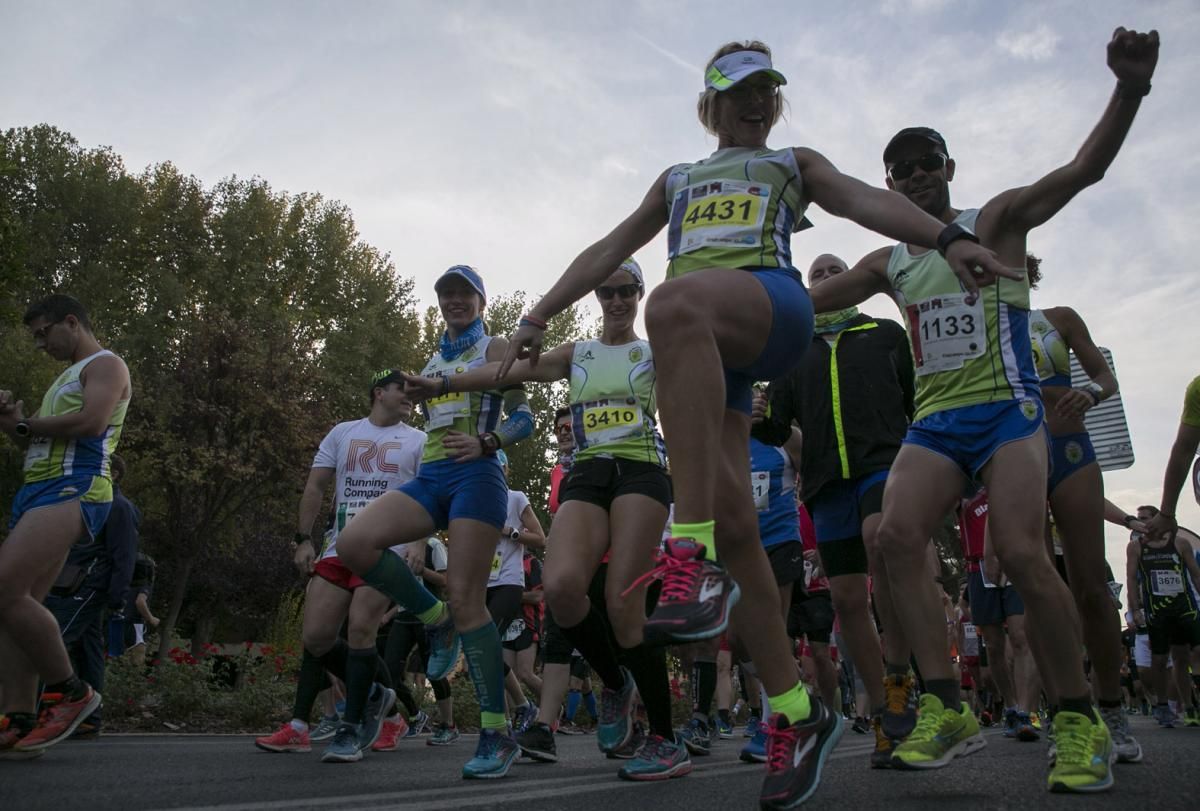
[947, 543]
[251, 321]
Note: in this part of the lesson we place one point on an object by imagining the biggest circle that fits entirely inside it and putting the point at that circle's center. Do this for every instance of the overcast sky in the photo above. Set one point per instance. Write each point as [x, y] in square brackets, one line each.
[511, 135]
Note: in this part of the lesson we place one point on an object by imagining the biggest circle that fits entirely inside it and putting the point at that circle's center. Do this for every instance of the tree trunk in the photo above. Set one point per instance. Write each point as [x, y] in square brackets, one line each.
[205, 626]
[167, 629]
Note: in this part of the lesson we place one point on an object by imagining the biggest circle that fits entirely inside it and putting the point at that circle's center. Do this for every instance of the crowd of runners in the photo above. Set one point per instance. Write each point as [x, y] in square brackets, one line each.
[774, 544]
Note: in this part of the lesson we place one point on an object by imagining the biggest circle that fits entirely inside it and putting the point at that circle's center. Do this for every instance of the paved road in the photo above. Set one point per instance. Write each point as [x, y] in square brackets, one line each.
[136, 772]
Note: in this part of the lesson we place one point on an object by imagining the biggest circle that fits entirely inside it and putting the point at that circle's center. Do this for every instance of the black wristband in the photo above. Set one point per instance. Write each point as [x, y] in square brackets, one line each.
[1125, 90]
[1129, 519]
[951, 234]
[299, 538]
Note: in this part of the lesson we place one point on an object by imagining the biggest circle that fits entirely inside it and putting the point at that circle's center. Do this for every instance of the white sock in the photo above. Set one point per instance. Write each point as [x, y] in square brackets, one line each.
[299, 725]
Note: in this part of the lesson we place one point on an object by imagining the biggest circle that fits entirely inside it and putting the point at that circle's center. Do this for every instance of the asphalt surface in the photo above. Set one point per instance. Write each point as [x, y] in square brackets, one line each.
[133, 772]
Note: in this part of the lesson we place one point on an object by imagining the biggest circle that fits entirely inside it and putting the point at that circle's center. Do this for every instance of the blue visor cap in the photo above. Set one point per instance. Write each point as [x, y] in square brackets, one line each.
[466, 272]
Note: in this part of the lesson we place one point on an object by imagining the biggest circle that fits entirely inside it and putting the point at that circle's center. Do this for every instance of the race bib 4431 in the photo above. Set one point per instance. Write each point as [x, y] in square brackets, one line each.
[723, 213]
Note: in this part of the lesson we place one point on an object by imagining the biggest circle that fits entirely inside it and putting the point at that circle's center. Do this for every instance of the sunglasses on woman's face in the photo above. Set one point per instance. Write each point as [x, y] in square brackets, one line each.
[622, 290]
[929, 162]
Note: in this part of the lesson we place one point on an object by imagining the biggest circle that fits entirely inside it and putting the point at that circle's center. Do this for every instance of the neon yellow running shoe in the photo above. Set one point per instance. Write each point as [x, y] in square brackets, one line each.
[940, 736]
[1084, 754]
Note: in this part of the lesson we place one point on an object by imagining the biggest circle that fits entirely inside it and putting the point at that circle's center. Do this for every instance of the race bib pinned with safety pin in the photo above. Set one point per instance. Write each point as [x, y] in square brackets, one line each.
[946, 332]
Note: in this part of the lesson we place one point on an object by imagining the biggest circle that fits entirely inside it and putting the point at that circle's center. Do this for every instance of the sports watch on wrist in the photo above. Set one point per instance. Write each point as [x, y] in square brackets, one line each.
[515, 535]
[1095, 390]
[22, 428]
[952, 233]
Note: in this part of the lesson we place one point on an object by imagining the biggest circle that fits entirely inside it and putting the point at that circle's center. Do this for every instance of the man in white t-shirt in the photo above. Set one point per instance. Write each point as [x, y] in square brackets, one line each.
[364, 458]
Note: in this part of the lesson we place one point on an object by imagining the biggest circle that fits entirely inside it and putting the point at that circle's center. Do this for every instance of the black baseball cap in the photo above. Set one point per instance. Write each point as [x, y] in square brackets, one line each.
[929, 134]
[382, 378]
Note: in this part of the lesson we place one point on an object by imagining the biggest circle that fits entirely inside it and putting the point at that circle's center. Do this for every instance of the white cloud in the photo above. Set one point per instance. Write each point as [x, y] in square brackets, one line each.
[614, 165]
[893, 8]
[1037, 45]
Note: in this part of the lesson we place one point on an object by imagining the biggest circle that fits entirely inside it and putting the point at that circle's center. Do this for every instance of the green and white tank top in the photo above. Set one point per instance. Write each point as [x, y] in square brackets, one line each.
[471, 412]
[613, 403]
[1051, 355]
[964, 354]
[737, 208]
[55, 457]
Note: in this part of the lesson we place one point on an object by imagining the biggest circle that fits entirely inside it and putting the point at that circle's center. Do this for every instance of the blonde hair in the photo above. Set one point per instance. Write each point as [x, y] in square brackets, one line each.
[706, 107]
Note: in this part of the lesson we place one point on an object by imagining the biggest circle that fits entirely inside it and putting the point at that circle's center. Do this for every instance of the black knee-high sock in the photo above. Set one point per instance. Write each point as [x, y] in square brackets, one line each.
[312, 681]
[334, 659]
[649, 668]
[361, 665]
[405, 696]
[704, 685]
[593, 639]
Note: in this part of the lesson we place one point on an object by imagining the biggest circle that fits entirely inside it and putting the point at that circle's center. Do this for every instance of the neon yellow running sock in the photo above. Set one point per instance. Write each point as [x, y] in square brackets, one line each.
[701, 533]
[493, 720]
[433, 615]
[793, 704]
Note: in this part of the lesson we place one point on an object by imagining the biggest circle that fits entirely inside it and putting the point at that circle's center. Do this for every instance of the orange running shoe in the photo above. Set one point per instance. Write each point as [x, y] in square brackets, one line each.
[285, 739]
[390, 735]
[57, 721]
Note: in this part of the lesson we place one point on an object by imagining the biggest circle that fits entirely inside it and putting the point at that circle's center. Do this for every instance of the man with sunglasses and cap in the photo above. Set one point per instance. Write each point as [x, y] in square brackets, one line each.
[363, 458]
[979, 415]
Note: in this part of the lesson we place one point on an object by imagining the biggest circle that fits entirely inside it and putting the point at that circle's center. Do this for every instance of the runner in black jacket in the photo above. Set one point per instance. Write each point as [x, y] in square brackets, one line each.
[852, 397]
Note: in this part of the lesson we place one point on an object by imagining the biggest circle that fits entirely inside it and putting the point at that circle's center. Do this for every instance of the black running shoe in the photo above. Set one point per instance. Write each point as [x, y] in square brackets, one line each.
[796, 753]
[537, 742]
